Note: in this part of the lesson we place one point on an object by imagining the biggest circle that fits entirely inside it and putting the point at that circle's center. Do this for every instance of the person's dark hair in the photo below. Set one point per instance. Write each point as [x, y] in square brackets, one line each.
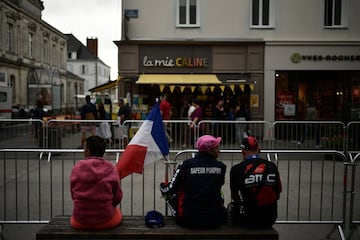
[96, 146]
[196, 101]
[39, 103]
[87, 98]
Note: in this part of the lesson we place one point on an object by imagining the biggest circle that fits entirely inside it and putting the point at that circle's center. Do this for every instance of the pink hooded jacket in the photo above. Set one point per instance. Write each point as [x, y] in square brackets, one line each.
[95, 190]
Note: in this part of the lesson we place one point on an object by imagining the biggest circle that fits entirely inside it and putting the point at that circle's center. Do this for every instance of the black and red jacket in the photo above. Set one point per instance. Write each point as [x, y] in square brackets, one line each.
[256, 182]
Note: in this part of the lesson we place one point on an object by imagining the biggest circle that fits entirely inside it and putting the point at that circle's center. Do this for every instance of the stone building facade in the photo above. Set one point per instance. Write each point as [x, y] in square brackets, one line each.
[33, 57]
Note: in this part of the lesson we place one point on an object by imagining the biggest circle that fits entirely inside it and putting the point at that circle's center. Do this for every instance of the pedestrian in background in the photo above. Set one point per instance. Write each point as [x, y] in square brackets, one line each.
[88, 111]
[241, 114]
[38, 114]
[219, 114]
[123, 112]
[103, 130]
[196, 116]
[188, 109]
[312, 114]
[124, 115]
[165, 109]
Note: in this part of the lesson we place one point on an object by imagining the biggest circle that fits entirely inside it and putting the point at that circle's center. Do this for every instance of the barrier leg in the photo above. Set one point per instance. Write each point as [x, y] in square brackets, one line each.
[340, 230]
[357, 228]
[331, 232]
[1, 232]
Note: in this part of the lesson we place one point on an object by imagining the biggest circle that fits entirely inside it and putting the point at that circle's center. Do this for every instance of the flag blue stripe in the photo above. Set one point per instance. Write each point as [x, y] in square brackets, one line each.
[157, 131]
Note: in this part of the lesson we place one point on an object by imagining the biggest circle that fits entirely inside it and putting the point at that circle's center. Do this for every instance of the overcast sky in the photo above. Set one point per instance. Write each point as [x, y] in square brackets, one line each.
[99, 19]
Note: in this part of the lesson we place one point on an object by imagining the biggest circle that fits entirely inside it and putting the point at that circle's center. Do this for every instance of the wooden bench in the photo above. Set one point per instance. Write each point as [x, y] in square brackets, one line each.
[134, 228]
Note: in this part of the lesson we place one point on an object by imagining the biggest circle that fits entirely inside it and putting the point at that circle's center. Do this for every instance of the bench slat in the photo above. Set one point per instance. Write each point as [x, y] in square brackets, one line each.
[134, 228]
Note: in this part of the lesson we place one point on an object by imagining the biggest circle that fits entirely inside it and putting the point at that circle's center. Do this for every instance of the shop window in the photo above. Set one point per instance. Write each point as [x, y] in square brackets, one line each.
[262, 14]
[187, 13]
[335, 13]
[334, 93]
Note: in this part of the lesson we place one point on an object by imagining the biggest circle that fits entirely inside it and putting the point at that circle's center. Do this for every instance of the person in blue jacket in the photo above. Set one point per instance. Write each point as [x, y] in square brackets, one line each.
[194, 193]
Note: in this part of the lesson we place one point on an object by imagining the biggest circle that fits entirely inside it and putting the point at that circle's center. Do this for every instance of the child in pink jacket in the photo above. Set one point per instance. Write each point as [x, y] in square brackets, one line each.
[95, 189]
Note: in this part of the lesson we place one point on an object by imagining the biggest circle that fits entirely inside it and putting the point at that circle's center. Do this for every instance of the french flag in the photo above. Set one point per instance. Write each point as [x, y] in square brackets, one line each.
[147, 146]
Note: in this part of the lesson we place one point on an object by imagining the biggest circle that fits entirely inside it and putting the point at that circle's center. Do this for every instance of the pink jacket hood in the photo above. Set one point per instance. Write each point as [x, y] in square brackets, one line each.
[93, 169]
[95, 190]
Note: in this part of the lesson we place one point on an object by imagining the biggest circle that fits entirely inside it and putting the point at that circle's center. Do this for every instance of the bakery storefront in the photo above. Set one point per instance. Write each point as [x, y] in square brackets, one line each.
[226, 70]
[325, 76]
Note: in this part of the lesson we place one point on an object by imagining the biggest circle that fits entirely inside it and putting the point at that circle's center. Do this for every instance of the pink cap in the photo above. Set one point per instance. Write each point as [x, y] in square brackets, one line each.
[207, 142]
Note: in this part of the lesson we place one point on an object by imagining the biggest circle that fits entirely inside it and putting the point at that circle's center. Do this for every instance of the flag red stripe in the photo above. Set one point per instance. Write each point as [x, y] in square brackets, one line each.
[132, 160]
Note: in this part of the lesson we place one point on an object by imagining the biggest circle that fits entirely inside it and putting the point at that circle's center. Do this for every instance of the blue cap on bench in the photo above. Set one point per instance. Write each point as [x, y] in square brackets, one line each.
[154, 219]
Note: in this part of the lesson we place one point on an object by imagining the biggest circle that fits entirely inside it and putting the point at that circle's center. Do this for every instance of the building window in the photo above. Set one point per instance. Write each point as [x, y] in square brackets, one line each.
[335, 13]
[68, 92]
[72, 55]
[11, 38]
[45, 51]
[188, 13]
[30, 46]
[12, 84]
[84, 69]
[54, 55]
[62, 58]
[262, 14]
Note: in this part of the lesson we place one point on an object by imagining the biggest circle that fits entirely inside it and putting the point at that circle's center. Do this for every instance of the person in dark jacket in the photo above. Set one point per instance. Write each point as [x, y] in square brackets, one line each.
[194, 194]
[88, 111]
[255, 188]
[38, 113]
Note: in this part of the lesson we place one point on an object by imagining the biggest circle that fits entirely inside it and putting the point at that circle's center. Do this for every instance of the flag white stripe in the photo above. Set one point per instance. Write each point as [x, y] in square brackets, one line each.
[144, 138]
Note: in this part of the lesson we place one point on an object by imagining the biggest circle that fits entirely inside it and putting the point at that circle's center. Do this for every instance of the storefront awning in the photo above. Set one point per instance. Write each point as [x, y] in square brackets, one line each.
[180, 79]
[105, 86]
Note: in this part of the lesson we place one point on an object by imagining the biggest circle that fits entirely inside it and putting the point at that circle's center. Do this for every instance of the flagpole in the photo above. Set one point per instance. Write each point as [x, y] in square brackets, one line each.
[167, 169]
[165, 157]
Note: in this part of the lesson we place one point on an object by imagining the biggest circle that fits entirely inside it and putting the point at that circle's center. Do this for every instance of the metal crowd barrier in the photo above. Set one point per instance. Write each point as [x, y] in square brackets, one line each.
[353, 133]
[33, 190]
[315, 186]
[300, 135]
[355, 197]
[232, 132]
[308, 135]
[29, 186]
[66, 133]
